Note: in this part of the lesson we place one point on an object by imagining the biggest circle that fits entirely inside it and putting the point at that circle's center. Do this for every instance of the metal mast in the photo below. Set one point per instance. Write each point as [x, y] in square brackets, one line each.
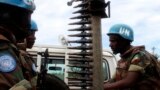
[86, 64]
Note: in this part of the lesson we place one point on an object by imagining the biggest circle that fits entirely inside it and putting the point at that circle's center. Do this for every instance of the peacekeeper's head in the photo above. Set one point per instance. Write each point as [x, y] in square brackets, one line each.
[30, 40]
[15, 16]
[120, 37]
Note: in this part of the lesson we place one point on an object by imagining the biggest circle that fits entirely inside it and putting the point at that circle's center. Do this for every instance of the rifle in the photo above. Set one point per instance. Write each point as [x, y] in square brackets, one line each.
[47, 81]
[41, 80]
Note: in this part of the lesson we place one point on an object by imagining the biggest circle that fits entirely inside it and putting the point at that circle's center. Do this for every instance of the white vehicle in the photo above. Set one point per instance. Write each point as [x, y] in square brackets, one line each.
[57, 60]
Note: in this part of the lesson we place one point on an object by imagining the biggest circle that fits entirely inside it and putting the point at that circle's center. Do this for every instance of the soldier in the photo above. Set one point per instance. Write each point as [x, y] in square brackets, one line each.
[29, 69]
[137, 69]
[14, 23]
[28, 64]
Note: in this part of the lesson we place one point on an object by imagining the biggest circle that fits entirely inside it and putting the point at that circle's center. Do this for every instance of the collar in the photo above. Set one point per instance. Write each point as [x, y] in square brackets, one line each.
[132, 50]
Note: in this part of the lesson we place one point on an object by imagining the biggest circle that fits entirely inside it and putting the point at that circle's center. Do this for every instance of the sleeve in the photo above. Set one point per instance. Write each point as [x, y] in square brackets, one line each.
[19, 88]
[22, 85]
[137, 64]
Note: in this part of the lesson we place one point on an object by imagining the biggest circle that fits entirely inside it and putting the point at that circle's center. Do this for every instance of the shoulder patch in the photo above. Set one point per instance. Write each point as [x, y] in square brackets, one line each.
[7, 63]
[136, 59]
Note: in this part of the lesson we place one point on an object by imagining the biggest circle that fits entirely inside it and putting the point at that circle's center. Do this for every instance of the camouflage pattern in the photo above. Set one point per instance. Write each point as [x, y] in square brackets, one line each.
[28, 64]
[138, 60]
[22, 85]
[8, 79]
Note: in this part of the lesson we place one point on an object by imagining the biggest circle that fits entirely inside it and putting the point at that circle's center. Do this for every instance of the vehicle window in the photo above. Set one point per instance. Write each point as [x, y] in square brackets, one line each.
[106, 70]
[55, 68]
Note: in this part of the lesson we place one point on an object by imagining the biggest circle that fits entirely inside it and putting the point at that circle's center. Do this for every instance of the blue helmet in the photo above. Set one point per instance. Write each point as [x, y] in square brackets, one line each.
[123, 30]
[26, 4]
[33, 26]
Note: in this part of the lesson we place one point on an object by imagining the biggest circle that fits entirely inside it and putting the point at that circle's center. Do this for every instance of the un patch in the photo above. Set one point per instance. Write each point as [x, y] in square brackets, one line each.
[7, 63]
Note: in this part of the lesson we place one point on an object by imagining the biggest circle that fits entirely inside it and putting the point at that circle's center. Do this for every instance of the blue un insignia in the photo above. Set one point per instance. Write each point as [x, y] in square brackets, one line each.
[7, 63]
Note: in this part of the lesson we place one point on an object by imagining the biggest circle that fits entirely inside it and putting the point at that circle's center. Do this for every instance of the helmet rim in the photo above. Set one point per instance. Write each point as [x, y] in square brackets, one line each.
[122, 30]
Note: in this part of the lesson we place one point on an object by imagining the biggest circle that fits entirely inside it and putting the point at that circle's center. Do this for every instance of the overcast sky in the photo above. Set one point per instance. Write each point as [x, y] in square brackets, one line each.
[52, 17]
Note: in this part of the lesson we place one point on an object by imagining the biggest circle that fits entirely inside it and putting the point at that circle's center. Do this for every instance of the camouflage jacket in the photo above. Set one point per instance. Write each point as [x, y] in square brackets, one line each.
[137, 59]
[28, 65]
[10, 66]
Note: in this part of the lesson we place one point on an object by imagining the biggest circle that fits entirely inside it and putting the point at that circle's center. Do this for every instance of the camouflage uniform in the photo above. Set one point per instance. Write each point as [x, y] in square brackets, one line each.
[138, 60]
[10, 67]
[14, 22]
[29, 65]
